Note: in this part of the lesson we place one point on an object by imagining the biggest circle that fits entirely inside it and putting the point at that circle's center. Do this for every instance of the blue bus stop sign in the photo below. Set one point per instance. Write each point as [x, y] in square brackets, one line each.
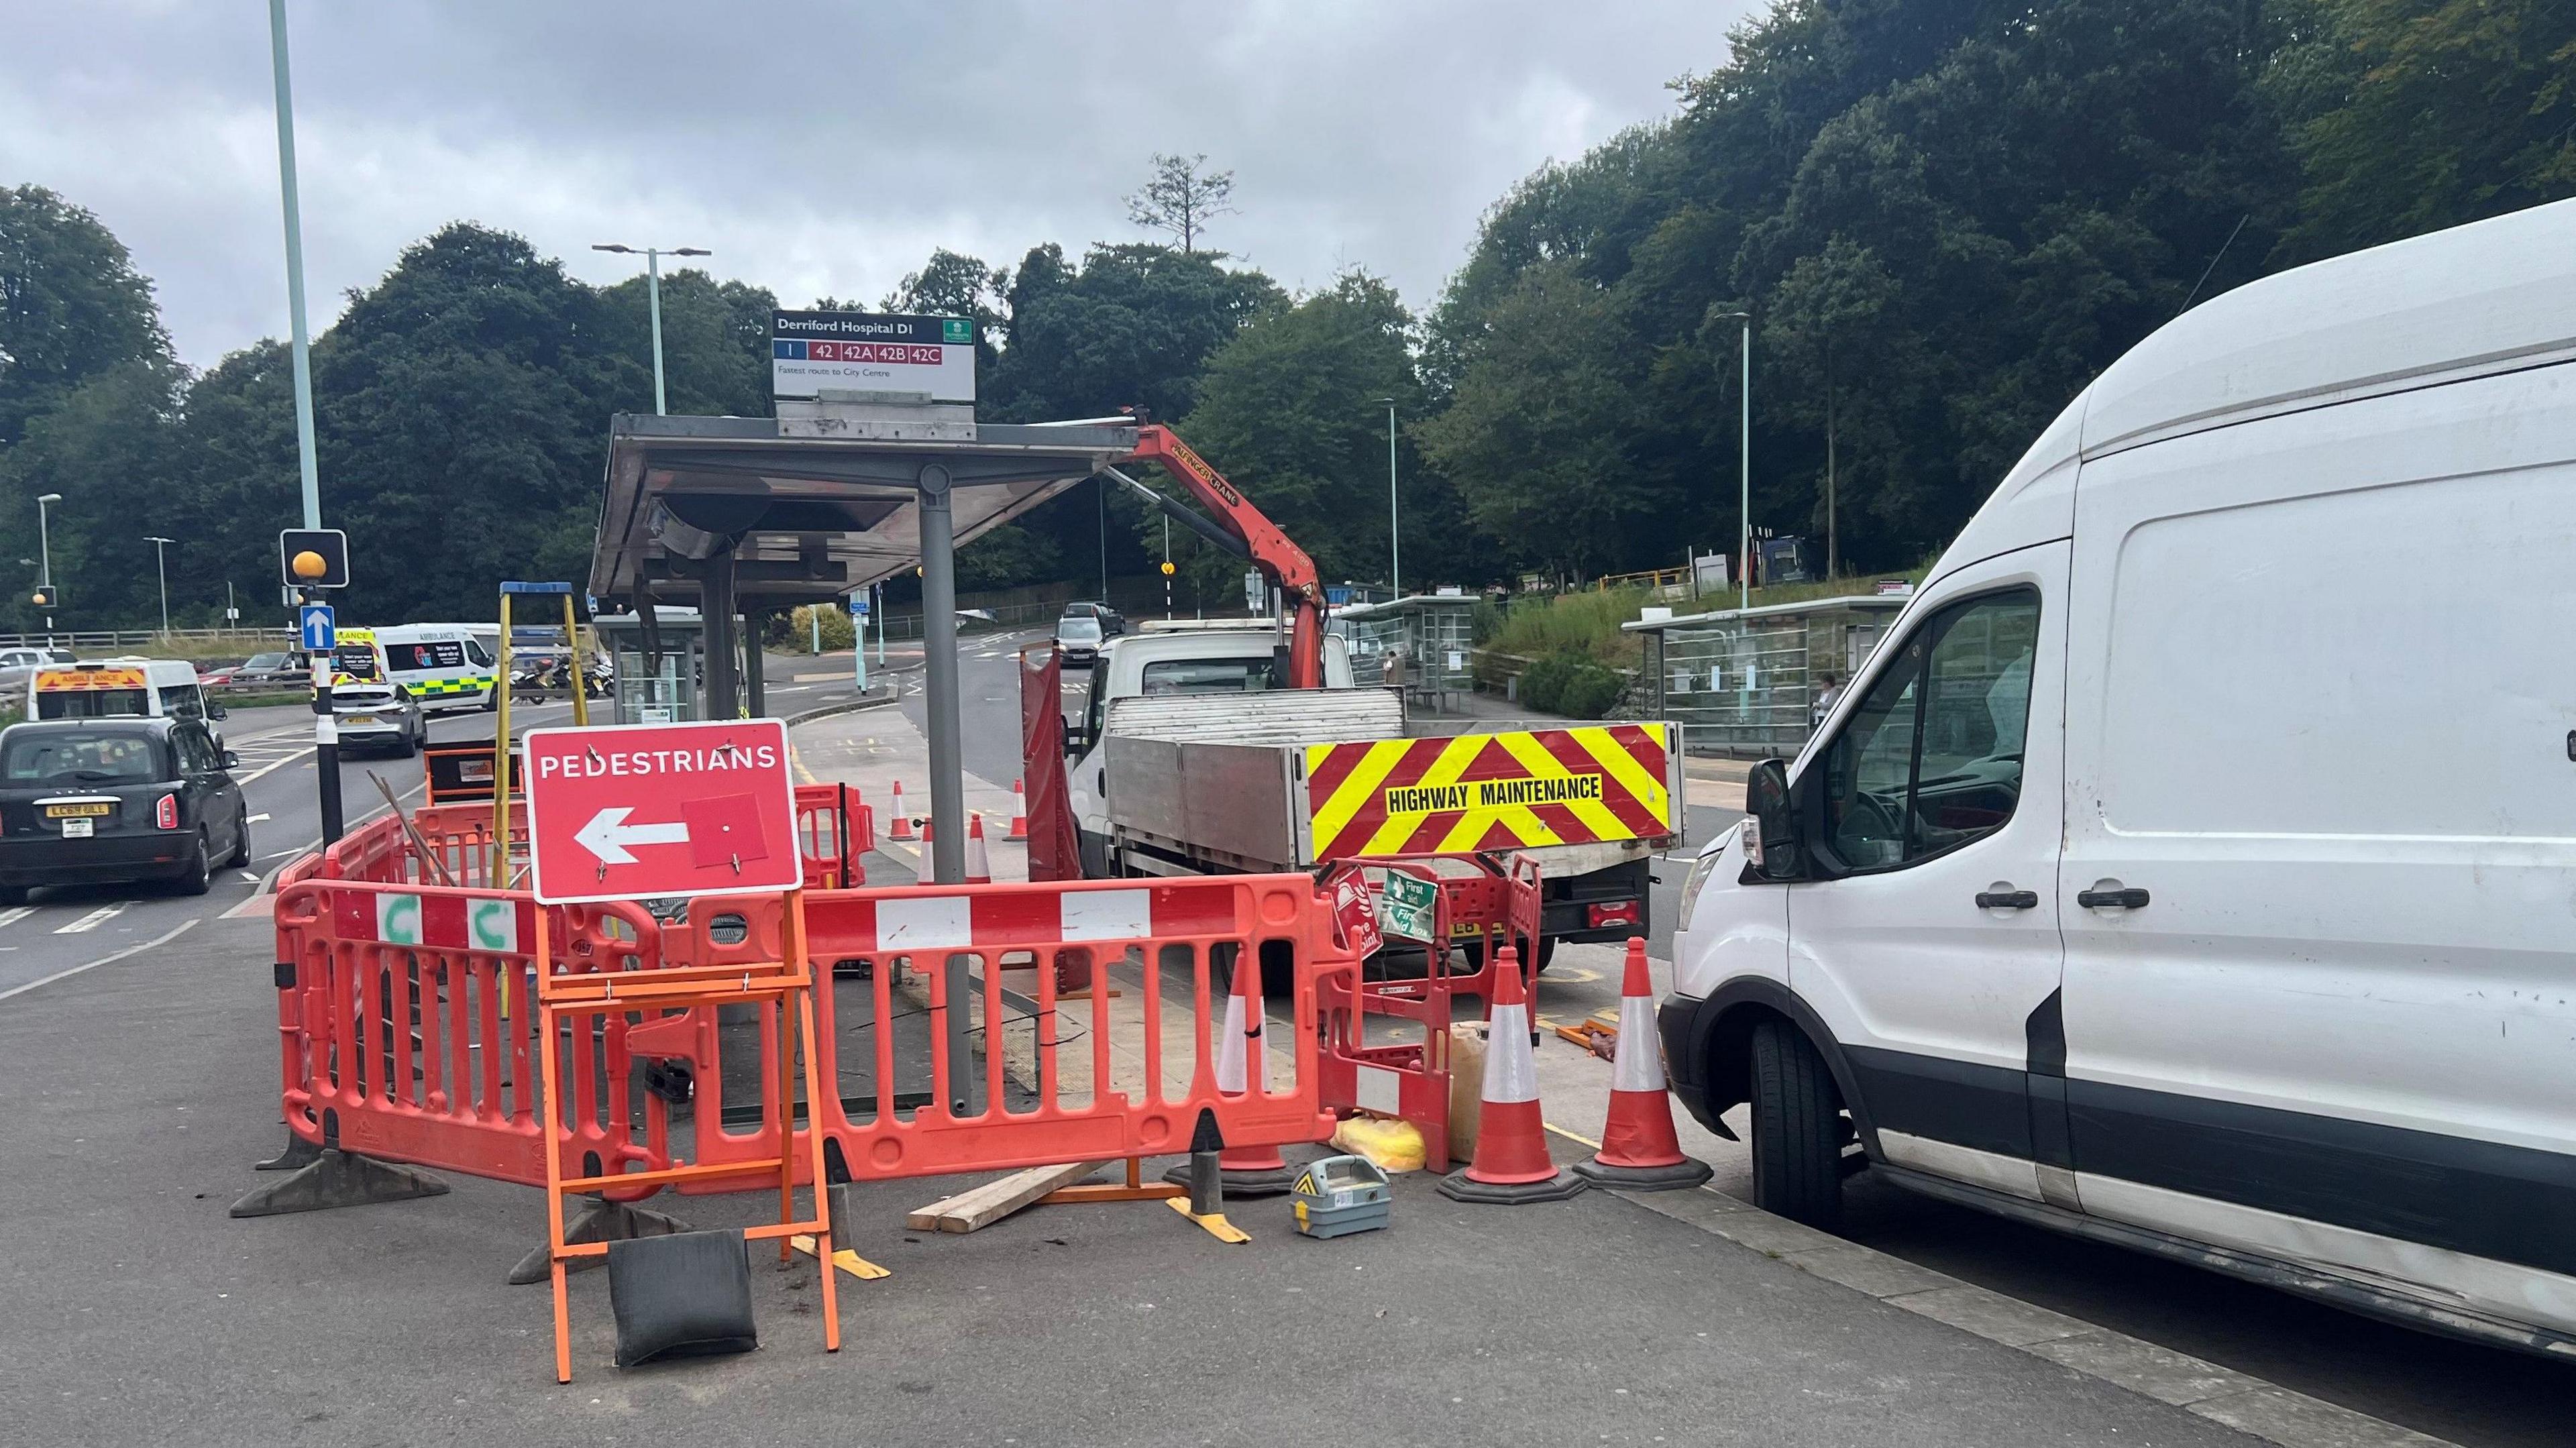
[315, 621]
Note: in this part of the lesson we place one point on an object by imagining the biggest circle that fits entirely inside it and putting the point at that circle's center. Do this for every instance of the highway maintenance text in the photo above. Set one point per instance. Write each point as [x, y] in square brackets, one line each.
[1491, 793]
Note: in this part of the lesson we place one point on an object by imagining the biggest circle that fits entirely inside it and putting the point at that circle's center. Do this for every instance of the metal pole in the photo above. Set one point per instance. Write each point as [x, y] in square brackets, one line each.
[294, 270]
[161, 567]
[859, 624]
[715, 604]
[653, 286]
[939, 650]
[755, 670]
[814, 617]
[44, 547]
[1744, 540]
[1103, 496]
[326, 740]
[1394, 535]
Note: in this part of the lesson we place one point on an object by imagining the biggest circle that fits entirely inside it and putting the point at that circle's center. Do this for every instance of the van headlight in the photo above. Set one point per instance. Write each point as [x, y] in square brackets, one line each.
[1700, 871]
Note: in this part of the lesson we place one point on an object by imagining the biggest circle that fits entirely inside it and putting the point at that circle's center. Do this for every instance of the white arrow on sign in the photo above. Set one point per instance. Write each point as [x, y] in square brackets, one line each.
[607, 836]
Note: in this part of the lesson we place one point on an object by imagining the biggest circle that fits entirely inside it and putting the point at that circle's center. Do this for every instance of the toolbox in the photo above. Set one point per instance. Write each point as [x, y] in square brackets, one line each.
[1340, 1195]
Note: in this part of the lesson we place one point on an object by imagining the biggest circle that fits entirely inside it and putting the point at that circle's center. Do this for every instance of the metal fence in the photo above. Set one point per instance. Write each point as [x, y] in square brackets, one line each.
[248, 640]
[1746, 683]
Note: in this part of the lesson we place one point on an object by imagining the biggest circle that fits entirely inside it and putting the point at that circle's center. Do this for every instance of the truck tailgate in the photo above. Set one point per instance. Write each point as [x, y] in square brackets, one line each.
[1521, 788]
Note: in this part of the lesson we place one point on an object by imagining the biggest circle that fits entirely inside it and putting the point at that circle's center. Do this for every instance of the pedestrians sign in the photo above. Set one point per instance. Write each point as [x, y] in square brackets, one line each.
[320, 634]
[642, 810]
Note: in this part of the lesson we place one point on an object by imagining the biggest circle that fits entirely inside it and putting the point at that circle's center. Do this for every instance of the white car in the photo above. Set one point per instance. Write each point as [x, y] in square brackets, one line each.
[1079, 635]
[2170, 879]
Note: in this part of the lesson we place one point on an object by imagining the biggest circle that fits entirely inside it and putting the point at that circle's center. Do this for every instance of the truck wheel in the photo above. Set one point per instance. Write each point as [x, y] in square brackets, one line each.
[1797, 1129]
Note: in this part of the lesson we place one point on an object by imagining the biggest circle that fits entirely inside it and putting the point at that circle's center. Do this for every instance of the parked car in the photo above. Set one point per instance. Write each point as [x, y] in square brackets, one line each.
[2155, 883]
[277, 666]
[109, 800]
[19, 665]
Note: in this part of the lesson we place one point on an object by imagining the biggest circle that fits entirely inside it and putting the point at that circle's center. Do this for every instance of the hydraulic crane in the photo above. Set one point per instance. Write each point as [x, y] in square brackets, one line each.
[1245, 533]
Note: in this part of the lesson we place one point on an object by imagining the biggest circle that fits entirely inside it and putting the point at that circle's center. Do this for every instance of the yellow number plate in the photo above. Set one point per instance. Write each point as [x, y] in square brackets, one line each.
[358, 719]
[95, 810]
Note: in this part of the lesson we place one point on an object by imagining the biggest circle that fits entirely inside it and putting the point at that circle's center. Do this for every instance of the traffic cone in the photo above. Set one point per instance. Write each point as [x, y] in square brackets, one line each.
[1512, 1164]
[902, 821]
[1243, 1057]
[1638, 1147]
[979, 865]
[1019, 812]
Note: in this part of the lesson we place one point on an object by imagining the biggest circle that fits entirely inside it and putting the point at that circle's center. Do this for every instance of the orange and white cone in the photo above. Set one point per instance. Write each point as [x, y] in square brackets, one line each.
[1638, 1146]
[1512, 1165]
[979, 865]
[1242, 1060]
[902, 820]
[1019, 812]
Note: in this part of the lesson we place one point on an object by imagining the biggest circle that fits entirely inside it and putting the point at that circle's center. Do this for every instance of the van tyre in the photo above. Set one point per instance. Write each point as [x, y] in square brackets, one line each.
[1797, 1129]
[197, 875]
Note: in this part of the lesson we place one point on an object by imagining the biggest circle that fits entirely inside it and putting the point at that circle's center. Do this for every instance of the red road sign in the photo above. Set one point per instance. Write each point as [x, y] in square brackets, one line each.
[639, 810]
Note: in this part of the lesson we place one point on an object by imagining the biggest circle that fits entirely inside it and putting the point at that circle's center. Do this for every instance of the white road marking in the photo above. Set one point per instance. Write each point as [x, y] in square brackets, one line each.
[255, 819]
[181, 929]
[13, 916]
[251, 876]
[93, 919]
[275, 765]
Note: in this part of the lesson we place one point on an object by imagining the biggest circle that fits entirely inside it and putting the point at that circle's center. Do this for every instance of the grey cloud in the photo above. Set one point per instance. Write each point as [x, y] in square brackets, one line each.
[814, 148]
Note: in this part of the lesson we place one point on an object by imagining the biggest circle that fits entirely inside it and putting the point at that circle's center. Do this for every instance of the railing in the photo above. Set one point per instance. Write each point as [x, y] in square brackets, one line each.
[1015, 615]
[249, 640]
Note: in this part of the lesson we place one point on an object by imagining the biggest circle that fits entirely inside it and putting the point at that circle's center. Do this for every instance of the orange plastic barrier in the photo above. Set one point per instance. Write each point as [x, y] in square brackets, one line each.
[1179, 936]
[834, 832]
[1408, 1077]
[399, 1040]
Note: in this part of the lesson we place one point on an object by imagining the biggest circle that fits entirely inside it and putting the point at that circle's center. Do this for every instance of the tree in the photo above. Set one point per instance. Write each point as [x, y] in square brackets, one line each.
[2421, 114]
[109, 447]
[71, 305]
[1181, 198]
[952, 284]
[715, 343]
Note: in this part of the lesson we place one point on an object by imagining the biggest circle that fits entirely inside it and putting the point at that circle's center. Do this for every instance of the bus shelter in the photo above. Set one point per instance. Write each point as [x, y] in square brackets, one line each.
[1746, 681]
[739, 517]
[1434, 632]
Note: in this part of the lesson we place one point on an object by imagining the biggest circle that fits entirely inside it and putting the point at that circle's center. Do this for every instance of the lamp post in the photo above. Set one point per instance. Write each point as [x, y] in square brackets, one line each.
[653, 287]
[161, 566]
[1744, 471]
[1394, 539]
[45, 560]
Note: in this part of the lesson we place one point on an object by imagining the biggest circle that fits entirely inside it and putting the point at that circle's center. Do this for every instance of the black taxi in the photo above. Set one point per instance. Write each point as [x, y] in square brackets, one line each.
[110, 800]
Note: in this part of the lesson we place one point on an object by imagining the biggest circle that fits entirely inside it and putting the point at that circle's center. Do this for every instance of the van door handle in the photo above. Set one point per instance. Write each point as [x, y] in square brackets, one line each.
[2128, 899]
[2008, 899]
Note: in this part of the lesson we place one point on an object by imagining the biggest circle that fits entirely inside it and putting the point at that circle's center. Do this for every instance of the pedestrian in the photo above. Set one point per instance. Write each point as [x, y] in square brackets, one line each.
[1391, 668]
[1829, 689]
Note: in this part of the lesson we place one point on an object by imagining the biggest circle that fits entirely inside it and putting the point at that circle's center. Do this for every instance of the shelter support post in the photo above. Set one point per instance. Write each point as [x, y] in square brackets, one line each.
[755, 683]
[716, 605]
[947, 764]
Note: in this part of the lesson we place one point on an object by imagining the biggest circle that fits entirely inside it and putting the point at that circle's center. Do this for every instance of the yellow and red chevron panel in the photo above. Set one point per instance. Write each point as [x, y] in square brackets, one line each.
[1375, 798]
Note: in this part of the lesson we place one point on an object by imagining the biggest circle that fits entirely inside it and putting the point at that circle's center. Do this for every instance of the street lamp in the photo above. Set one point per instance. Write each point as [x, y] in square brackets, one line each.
[653, 284]
[1394, 542]
[1744, 470]
[161, 566]
[45, 560]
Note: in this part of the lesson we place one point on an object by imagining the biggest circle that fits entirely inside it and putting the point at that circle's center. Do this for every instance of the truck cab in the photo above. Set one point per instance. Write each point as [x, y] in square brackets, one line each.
[1227, 658]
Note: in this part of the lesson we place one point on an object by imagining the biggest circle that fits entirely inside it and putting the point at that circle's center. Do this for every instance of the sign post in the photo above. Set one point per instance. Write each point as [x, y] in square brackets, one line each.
[310, 560]
[635, 811]
[859, 623]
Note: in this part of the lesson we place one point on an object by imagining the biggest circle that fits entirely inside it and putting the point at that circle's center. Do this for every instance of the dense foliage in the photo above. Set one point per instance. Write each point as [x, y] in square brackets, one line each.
[1933, 221]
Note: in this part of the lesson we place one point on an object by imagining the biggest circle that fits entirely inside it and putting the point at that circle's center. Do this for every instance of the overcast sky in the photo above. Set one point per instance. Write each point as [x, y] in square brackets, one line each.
[816, 149]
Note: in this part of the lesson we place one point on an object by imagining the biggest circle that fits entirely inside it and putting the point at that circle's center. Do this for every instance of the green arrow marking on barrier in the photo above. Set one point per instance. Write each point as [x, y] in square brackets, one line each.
[398, 919]
[493, 925]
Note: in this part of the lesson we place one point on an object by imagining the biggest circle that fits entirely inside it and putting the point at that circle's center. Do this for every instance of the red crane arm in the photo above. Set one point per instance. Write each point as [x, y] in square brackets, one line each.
[1272, 552]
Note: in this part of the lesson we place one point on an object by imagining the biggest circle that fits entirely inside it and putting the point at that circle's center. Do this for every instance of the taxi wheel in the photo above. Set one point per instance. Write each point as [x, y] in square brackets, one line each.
[241, 834]
[198, 874]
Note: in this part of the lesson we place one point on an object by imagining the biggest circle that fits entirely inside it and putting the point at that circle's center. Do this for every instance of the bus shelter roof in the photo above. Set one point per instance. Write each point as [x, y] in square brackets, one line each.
[811, 518]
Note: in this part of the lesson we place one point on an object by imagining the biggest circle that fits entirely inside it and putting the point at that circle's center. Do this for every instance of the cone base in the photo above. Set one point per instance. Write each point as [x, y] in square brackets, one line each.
[1457, 1186]
[1264, 1181]
[1686, 1172]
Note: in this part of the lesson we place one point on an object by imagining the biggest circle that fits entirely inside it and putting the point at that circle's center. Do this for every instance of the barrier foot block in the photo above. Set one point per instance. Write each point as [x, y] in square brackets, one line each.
[600, 1221]
[1214, 1223]
[338, 1179]
[845, 1259]
[1243, 1182]
[1684, 1173]
[298, 1155]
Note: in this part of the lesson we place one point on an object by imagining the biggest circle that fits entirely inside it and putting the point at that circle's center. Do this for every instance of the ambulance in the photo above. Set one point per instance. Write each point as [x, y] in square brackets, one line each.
[444, 665]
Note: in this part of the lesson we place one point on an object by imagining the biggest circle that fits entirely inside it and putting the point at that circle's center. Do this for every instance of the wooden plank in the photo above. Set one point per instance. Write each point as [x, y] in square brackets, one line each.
[982, 1206]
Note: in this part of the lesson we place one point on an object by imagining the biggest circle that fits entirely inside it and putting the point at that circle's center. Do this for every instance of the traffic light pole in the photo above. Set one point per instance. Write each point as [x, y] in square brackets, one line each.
[326, 740]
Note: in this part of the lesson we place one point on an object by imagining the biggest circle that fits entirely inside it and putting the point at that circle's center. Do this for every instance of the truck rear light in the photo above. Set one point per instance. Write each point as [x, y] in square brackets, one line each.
[165, 815]
[1615, 912]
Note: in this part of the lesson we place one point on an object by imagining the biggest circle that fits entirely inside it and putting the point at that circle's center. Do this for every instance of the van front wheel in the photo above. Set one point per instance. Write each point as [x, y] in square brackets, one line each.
[1797, 1129]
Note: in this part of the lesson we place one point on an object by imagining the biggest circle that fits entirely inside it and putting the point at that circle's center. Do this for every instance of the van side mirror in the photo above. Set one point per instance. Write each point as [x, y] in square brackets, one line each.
[231, 760]
[1771, 846]
[1074, 742]
[216, 711]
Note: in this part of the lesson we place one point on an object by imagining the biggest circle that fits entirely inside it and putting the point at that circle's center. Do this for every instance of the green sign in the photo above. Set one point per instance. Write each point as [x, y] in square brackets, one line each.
[1405, 907]
[956, 331]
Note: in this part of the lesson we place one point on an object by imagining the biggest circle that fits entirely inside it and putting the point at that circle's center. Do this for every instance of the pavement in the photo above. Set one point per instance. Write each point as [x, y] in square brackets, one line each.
[144, 1085]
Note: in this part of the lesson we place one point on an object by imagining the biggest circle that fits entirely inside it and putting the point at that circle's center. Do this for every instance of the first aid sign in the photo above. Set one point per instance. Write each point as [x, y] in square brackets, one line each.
[645, 810]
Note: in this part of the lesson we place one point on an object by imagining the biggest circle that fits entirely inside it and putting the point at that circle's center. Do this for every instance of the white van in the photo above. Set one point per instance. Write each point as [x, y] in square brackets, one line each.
[127, 687]
[444, 665]
[2192, 867]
